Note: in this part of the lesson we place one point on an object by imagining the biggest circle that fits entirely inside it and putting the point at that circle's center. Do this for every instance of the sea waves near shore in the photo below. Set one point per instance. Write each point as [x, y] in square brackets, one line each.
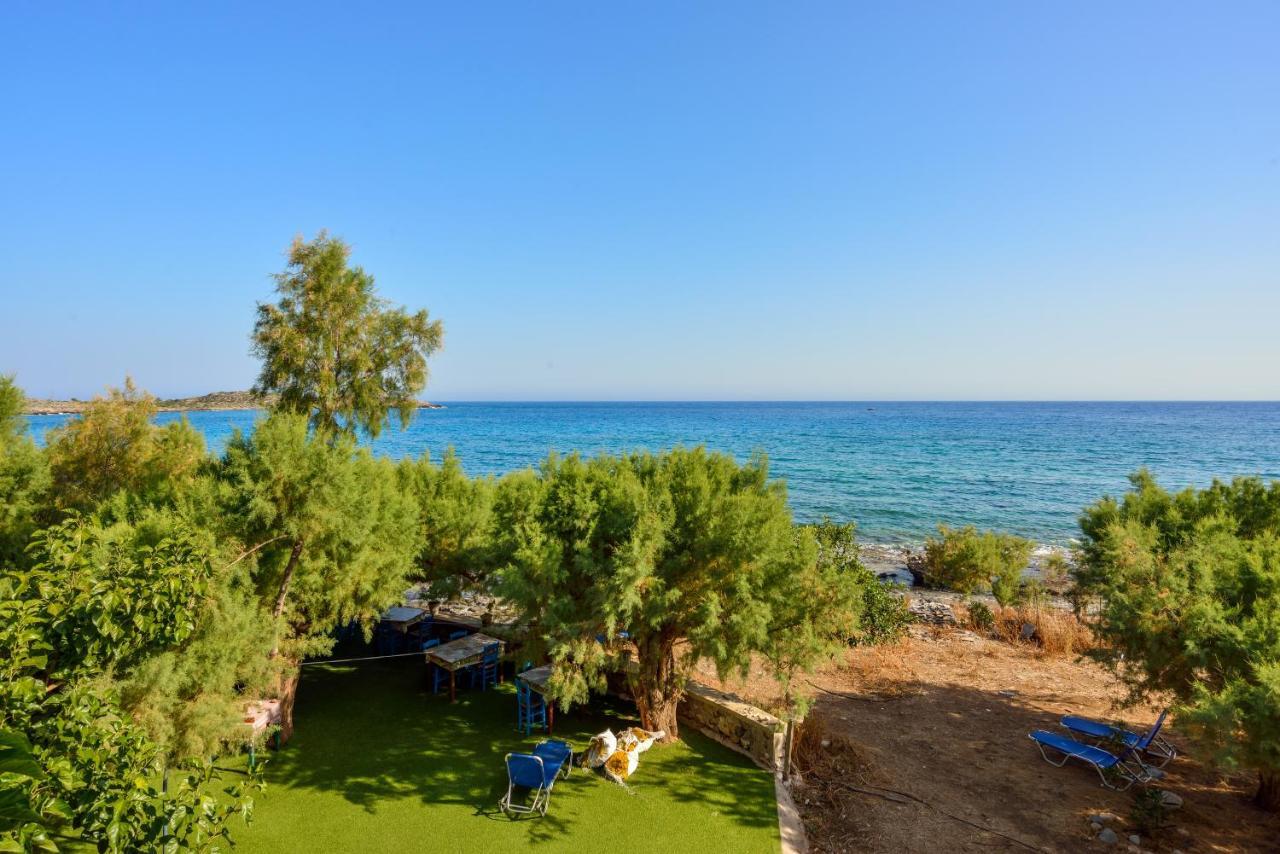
[898, 469]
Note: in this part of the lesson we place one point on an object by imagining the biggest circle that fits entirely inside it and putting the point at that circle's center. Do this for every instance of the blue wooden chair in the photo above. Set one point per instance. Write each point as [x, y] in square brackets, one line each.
[486, 672]
[435, 673]
[386, 639]
[531, 708]
[420, 632]
[458, 635]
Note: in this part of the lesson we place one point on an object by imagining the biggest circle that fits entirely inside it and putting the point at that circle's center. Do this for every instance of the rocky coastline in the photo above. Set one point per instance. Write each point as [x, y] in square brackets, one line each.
[904, 564]
[218, 401]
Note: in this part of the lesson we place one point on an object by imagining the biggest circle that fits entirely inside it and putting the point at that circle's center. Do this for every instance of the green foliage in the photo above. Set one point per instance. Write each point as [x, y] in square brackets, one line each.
[1186, 590]
[884, 616]
[93, 607]
[1032, 593]
[336, 536]
[688, 552]
[455, 524]
[880, 615]
[969, 561]
[24, 476]
[114, 447]
[333, 350]
[980, 616]
[816, 601]
[116, 598]
[1148, 812]
[190, 701]
[1056, 574]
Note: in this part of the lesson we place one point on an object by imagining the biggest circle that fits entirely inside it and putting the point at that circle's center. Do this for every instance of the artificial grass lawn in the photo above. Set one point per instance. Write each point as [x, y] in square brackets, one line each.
[377, 763]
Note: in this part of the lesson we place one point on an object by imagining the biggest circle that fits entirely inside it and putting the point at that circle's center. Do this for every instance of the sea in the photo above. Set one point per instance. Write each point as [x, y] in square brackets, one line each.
[897, 469]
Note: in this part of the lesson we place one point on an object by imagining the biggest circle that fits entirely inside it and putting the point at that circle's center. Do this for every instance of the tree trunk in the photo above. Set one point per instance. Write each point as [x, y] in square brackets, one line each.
[658, 687]
[287, 692]
[1268, 796]
[289, 569]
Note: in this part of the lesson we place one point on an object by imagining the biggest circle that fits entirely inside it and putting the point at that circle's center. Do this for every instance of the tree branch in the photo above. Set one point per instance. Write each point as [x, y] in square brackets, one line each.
[254, 549]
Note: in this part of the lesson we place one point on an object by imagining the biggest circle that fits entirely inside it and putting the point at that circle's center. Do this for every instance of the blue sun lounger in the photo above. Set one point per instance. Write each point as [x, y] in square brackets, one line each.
[537, 772]
[1113, 769]
[1149, 742]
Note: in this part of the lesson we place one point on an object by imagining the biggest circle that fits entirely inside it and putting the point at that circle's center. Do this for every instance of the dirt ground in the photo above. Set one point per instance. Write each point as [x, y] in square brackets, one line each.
[943, 717]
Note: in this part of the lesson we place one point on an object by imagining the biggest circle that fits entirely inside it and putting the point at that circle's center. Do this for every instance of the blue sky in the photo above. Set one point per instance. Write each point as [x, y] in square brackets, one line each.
[649, 201]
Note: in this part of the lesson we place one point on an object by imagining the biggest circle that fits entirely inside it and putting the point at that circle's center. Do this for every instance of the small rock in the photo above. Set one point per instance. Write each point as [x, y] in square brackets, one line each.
[1135, 839]
[1102, 817]
[1097, 828]
[1170, 800]
[826, 742]
[1008, 693]
[1108, 836]
[1028, 631]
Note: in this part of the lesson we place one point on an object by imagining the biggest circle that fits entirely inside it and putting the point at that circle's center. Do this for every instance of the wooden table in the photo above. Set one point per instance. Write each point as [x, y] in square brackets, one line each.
[402, 617]
[536, 678]
[464, 652]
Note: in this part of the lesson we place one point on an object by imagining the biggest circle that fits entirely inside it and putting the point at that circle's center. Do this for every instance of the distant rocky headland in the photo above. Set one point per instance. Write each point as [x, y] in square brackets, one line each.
[214, 401]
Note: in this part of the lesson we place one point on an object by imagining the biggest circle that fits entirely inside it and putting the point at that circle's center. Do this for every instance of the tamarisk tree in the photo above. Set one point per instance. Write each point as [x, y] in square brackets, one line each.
[333, 350]
[332, 536]
[686, 552]
[1187, 596]
[115, 447]
[455, 524]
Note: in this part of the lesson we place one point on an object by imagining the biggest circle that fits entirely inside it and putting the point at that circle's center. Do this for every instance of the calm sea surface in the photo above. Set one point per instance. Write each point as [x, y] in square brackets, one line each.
[897, 468]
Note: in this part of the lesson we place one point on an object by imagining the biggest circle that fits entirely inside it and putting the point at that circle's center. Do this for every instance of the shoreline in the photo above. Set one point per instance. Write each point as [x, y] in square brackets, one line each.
[889, 562]
[218, 401]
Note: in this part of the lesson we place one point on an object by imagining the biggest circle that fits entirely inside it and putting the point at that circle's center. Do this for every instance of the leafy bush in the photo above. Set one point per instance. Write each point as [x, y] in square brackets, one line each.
[980, 616]
[98, 605]
[884, 615]
[968, 560]
[1007, 588]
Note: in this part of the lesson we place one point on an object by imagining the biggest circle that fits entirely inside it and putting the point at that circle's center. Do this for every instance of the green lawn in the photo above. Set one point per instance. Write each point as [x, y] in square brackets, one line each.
[379, 764]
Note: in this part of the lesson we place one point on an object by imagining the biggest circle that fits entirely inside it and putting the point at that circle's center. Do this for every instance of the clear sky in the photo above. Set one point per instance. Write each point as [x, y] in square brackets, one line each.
[658, 201]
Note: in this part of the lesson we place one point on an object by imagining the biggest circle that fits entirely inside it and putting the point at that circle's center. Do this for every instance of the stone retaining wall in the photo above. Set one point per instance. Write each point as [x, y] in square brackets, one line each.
[735, 724]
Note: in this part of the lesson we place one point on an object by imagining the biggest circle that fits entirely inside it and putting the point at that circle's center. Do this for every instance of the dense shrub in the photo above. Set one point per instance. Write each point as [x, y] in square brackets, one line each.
[884, 615]
[980, 616]
[969, 561]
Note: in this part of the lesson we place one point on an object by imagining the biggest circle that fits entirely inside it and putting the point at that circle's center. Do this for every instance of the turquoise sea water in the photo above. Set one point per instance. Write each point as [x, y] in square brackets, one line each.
[898, 469]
